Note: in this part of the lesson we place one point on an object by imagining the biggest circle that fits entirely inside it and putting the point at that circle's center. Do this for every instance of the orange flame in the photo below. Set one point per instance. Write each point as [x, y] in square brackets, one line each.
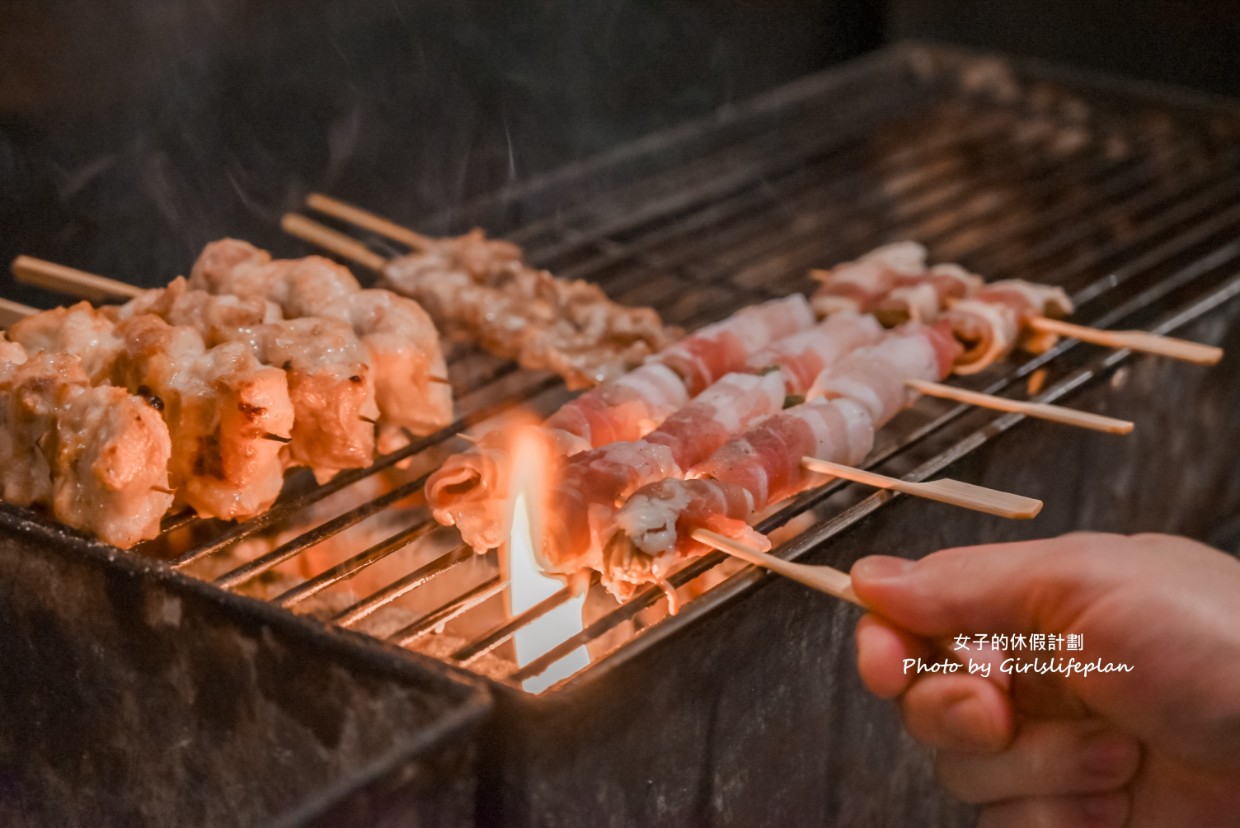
[528, 487]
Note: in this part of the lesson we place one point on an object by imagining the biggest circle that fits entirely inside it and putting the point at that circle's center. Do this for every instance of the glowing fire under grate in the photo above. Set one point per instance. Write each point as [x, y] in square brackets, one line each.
[527, 585]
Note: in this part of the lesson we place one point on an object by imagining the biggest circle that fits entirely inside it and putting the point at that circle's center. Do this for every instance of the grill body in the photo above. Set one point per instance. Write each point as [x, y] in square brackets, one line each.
[744, 708]
[137, 696]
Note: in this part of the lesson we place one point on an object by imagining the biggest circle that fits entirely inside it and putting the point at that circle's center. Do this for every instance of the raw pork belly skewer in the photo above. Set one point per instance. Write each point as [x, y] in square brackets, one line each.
[480, 289]
[893, 283]
[652, 532]
[996, 320]
[467, 490]
[95, 456]
[591, 483]
[991, 319]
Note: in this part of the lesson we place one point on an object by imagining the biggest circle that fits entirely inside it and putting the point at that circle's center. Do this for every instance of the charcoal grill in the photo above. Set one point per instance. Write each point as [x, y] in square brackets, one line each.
[744, 708]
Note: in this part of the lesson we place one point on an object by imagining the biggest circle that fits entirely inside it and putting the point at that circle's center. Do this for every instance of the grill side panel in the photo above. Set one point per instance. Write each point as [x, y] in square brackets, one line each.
[134, 698]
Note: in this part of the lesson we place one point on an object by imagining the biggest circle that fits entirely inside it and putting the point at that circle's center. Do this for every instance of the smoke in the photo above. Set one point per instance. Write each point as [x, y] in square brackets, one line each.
[142, 130]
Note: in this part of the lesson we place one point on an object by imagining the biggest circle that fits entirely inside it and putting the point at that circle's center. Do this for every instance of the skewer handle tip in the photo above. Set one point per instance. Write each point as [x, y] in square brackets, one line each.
[11, 312]
[1142, 341]
[348, 248]
[825, 579]
[70, 280]
[367, 221]
[945, 490]
[1041, 411]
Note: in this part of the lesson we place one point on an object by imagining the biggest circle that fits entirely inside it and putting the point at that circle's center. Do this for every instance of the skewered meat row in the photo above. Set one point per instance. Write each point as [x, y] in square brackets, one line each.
[96, 457]
[405, 354]
[330, 382]
[183, 347]
[220, 404]
[468, 489]
[651, 532]
[480, 288]
[591, 483]
[802, 356]
[894, 284]
[630, 406]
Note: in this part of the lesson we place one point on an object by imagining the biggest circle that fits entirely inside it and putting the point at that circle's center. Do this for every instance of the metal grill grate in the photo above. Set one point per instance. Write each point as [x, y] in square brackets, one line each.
[1133, 207]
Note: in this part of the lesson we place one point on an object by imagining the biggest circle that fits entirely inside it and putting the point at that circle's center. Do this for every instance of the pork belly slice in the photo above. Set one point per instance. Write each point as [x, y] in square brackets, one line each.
[651, 531]
[995, 322]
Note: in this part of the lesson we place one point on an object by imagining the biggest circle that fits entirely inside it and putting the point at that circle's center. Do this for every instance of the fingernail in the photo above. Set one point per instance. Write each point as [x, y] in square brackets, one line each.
[1106, 752]
[880, 568]
[967, 726]
[1101, 810]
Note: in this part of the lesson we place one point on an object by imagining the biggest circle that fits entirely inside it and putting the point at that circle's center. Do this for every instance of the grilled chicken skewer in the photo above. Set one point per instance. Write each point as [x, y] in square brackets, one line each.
[347, 351]
[330, 381]
[480, 289]
[405, 354]
[220, 404]
[95, 456]
[328, 369]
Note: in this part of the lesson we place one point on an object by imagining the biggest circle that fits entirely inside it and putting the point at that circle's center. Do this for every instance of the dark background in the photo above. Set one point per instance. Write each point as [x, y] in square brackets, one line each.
[134, 131]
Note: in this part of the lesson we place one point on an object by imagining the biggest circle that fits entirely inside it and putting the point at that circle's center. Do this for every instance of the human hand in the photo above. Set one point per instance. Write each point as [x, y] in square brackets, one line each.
[1156, 746]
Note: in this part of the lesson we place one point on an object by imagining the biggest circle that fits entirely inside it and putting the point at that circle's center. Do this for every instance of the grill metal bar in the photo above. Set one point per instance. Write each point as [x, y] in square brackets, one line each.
[502, 632]
[1110, 176]
[744, 164]
[448, 611]
[917, 231]
[921, 195]
[755, 198]
[294, 547]
[353, 565]
[770, 239]
[288, 551]
[423, 574]
[282, 511]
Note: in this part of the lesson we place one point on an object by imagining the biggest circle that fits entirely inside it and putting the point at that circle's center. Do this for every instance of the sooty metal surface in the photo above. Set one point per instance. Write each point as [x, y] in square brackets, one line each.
[136, 696]
[744, 708]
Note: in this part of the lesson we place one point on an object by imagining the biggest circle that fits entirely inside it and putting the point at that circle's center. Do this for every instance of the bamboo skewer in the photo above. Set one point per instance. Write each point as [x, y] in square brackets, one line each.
[822, 578]
[11, 312]
[953, 492]
[368, 221]
[1042, 411]
[333, 241]
[70, 280]
[1143, 341]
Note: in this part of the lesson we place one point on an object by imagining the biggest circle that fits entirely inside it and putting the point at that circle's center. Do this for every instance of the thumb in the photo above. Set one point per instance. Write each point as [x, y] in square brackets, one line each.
[996, 587]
